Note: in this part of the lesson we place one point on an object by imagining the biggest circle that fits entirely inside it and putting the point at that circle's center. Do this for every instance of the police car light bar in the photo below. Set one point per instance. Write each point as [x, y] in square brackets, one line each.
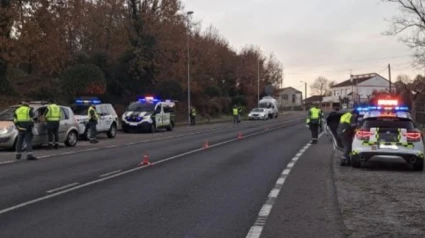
[148, 99]
[86, 102]
[386, 102]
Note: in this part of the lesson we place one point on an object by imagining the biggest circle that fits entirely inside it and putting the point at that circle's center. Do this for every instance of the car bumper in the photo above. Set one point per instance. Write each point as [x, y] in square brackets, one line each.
[136, 126]
[256, 117]
[406, 155]
[7, 141]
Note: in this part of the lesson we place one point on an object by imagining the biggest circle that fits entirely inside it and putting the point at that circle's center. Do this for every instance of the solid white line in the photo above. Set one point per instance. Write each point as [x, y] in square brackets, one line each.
[107, 174]
[8, 162]
[274, 193]
[119, 174]
[257, 228]
[63, 187]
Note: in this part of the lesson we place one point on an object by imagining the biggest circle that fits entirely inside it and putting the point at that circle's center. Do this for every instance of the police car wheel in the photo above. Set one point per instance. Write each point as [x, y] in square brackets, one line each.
[419, 166]
[355, 162]
[112, 131]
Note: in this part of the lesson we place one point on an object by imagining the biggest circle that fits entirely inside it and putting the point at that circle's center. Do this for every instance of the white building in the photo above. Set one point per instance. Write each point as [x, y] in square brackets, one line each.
[289, 98]
[362, 85]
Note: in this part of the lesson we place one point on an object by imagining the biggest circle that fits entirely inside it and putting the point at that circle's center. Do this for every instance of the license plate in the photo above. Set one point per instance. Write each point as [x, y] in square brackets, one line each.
[133, 124]
[393, 147]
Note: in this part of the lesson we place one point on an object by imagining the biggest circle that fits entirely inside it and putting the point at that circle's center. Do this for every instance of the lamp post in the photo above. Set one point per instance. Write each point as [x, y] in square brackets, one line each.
[258, 81]
[305, 94]
[188, 63]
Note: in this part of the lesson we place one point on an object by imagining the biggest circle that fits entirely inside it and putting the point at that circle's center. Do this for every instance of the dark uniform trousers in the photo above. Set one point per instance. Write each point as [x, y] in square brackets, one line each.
[53, 132]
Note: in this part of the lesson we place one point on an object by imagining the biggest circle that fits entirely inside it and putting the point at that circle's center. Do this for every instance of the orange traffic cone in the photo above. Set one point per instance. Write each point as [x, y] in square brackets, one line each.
[145, 160]
[240, 136]
[206, 144]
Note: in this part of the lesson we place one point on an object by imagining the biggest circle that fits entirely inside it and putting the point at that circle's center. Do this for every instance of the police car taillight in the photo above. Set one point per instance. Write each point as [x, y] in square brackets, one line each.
[363, 134]
[413, 136]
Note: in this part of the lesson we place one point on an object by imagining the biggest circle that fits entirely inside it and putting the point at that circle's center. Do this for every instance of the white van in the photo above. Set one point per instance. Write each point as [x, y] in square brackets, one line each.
[270, 105]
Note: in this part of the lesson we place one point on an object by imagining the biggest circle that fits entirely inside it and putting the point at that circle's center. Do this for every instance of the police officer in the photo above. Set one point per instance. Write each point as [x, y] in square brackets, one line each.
[192, 116]
[346, 129]
[235, 114]
[314, 122]
[53, 114]
[239, 113]
[92, 124]
[23, 119]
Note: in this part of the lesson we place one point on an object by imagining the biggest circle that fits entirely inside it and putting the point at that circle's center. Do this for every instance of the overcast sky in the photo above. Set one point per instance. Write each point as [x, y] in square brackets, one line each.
[311, 37]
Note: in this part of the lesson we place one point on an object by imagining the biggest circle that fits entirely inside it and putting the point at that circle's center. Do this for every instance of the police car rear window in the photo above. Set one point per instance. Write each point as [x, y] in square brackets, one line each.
[388, 123]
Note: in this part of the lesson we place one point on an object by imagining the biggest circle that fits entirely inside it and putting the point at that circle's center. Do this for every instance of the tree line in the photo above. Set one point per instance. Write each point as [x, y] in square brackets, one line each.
[121, 49]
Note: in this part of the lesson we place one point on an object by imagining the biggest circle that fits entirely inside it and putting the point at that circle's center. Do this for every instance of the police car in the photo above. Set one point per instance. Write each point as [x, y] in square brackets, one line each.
[108, 118]
[149, 114]
[387, 131]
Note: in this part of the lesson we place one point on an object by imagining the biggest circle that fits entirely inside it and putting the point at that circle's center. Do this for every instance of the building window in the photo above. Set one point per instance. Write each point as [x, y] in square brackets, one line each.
[293, 98]
[285, 97]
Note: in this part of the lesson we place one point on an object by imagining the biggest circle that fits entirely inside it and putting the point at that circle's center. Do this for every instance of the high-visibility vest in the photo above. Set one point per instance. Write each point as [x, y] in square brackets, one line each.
[235, 111]
[193, 112]
[315, 113]
[96, 117]
[54, 113]
[23, 114]
[346, 118]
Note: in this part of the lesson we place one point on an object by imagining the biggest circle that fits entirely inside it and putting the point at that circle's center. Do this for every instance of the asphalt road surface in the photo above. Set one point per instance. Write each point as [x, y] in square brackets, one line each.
[229, 189]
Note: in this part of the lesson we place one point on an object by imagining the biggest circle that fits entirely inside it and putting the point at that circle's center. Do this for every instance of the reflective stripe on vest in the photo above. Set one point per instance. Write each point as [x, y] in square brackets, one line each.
[23, 114]
[54, 113]
[235, 111]
[95, 113]
[193, 112]
[346, 118]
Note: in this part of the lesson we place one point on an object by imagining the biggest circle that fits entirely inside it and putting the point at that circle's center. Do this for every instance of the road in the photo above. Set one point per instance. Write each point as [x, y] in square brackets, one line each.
[270, 182]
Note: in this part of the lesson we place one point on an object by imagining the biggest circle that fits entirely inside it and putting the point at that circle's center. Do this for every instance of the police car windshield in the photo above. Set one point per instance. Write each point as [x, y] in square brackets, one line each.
[7, 115]
[388, 123]
[80, 109]
[141, 107]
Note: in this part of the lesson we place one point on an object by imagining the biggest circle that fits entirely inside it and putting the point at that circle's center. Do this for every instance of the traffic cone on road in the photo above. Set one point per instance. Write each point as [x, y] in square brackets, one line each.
[240, 136]
[206, 145]
[145, 160]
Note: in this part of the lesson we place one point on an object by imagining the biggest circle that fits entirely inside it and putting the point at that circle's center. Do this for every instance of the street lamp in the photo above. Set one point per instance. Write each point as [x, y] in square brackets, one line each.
[305, 94]
[258, 81]
[188, 63]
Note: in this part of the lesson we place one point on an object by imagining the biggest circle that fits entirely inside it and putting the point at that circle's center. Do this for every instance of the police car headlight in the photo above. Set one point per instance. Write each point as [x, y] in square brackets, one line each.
[6, 130]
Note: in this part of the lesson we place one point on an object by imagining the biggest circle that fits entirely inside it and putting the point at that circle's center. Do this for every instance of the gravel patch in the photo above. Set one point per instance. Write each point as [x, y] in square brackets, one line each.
[381, 200]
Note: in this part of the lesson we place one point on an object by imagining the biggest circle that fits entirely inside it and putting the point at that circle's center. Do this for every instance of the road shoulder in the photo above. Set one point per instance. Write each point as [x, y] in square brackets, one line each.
[307, 205]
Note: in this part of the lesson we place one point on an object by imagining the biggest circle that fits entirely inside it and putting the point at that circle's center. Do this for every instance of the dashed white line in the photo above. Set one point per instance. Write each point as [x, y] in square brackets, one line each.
[110, 173]
[257, 228]
[8, 162]
[61, 188]
[73, 187]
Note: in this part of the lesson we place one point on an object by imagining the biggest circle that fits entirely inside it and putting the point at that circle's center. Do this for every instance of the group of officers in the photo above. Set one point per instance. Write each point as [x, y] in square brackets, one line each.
[24, 118]
[346, 128]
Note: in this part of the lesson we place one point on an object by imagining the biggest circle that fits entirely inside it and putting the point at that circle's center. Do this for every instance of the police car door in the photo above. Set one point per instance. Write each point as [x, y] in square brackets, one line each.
[159, 121]
[166, 115]
[101, 121]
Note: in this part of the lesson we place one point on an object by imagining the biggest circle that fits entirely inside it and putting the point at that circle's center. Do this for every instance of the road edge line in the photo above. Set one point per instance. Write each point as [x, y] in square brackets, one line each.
[256, 230]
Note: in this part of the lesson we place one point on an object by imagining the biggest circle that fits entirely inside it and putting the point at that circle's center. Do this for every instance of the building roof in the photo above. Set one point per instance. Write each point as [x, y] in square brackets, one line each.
[359, 78]
[284, 89]
[315, 98]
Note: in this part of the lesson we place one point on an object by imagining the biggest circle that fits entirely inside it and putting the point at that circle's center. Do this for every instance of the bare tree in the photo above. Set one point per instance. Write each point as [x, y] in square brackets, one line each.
[320, 86]
[404, 78]
[412, 20]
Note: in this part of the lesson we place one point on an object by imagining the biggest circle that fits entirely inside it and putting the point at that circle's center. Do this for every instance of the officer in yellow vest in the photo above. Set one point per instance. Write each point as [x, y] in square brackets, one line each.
[23, 119]
[235, 114]
[192, 116]
[346, 130]
[314, 121]
[53, 115]
[92, 124]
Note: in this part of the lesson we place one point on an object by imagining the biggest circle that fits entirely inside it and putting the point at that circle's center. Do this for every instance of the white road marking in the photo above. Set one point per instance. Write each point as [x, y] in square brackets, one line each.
[8, 162]
[257, 228]
[61, 188]
[46, 197]
[107, 174]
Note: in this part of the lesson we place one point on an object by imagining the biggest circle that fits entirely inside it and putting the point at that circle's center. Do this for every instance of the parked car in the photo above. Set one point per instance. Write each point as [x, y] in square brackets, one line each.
[258, 114]
[108, 118]
[68, 128]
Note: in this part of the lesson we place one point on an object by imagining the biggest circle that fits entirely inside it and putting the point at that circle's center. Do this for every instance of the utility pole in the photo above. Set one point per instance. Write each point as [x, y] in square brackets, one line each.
[188, 64]
[258, 80]
[389, 75]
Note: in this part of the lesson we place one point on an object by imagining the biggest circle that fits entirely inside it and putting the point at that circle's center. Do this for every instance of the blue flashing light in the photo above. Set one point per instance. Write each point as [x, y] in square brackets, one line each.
[148, 99]
[87, 101]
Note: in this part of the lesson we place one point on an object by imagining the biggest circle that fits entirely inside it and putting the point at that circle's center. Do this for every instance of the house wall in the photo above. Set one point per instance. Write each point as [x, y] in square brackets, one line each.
[286, 98]
[364, 89]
